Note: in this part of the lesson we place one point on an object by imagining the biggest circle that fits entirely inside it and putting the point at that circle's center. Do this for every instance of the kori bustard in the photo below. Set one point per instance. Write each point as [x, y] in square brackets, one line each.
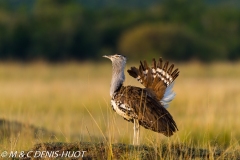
[144, 106]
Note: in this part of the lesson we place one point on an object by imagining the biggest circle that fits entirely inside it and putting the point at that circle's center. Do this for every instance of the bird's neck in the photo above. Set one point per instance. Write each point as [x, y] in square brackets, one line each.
[118, 78]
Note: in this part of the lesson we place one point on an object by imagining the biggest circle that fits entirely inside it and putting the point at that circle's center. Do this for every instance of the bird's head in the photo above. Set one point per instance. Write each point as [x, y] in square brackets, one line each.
[117, 59]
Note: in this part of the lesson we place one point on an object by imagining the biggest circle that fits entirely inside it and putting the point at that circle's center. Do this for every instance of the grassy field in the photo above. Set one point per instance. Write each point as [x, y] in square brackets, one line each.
[70, 102]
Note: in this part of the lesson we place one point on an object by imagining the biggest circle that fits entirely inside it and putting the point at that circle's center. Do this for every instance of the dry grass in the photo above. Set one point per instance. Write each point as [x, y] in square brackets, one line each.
[71, 102]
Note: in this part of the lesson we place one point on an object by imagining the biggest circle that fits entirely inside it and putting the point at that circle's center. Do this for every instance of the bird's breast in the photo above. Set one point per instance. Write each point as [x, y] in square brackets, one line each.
[121, 109]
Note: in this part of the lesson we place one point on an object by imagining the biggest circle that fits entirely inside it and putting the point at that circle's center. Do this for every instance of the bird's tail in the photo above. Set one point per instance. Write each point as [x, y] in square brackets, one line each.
[158, 79]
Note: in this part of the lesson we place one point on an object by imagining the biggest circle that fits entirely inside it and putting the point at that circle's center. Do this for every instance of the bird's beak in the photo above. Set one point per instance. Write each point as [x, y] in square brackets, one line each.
[105, 56]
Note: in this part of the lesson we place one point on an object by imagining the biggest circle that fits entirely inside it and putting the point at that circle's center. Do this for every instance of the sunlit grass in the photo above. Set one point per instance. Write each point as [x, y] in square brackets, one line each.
[72, 101]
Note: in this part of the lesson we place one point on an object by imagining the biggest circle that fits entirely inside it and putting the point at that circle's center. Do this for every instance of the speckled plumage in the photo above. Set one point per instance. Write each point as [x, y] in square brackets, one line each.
[140, 105]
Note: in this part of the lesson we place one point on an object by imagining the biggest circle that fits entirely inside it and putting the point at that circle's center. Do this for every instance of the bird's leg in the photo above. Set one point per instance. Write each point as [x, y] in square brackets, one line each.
[136, 129]
[138, 132]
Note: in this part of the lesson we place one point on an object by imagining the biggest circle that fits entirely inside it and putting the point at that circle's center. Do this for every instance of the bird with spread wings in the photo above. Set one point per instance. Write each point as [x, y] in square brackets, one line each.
[144, 106]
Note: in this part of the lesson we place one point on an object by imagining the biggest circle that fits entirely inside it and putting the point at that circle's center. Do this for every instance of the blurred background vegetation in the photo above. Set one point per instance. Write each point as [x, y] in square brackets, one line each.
[61, 30]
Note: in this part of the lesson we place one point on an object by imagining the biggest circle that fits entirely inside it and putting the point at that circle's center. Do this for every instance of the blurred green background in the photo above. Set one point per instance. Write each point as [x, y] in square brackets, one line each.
[62, 30]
